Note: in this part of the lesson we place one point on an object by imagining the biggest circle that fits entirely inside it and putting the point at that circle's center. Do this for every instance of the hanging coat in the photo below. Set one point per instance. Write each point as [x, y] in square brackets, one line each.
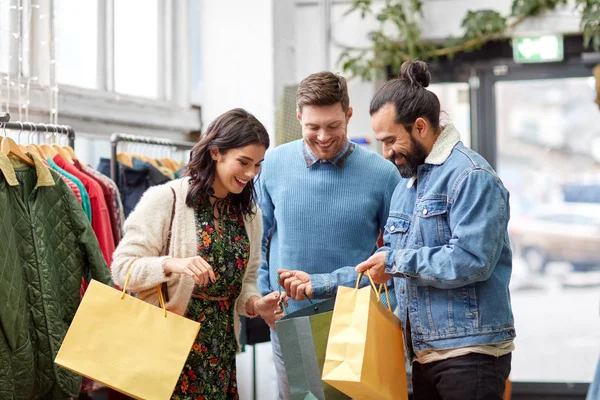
[47, 246]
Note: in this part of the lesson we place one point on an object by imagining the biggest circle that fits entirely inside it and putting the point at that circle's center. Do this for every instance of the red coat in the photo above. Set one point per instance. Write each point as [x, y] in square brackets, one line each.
[100, 216]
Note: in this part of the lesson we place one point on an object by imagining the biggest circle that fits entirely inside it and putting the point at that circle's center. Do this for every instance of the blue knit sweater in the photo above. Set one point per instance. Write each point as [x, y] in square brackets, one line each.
[322, 218]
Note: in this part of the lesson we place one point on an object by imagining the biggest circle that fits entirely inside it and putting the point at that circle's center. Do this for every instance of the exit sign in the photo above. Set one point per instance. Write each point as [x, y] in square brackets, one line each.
[538, 49]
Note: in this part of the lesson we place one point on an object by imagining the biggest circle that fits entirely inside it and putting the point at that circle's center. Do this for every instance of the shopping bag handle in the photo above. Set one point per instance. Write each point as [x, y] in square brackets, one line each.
[378, 291]
[159, 289]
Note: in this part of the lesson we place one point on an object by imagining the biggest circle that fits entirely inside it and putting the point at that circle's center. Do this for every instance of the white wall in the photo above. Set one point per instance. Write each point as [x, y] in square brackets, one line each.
[237, 58]
[238, 71]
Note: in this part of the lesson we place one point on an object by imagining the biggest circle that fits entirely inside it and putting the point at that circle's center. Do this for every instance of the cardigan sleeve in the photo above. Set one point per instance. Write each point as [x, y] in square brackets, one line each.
[249, 285]
[144, 240]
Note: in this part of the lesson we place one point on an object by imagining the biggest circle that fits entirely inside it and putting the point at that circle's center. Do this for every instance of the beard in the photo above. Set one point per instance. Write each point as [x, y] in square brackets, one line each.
[412, 160]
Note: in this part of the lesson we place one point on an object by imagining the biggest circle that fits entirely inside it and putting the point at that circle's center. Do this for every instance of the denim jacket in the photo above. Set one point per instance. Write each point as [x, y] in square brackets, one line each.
[449, 250]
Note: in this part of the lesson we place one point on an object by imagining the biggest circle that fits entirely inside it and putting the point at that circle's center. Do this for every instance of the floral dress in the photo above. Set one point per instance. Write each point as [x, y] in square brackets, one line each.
[209, 372]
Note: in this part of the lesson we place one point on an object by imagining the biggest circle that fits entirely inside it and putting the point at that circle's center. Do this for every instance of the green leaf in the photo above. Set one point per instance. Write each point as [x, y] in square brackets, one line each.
[530, 8]
[381, 17]
[483, 24]
[417, 7]
[590, 22]
[364, 6]
[480, 26]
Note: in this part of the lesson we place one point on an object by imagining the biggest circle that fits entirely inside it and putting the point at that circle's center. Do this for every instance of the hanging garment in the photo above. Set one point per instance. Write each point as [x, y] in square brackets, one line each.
[100, 218]
[133, 182]
[108, 199]
[119, 216]
[48, 245]
[69, 183]
[154, 172]
[85, 198]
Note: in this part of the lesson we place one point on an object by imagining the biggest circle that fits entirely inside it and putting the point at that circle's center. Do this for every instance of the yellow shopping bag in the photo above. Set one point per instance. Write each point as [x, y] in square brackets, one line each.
[365, 349]
[127, 344]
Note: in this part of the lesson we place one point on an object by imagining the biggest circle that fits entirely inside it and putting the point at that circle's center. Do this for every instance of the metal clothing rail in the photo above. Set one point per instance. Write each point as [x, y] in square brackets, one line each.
[39, 128]
[116, 138]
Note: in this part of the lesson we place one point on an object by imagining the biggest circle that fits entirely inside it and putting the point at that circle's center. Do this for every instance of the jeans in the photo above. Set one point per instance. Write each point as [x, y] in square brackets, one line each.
[283, 385]
[470, 377]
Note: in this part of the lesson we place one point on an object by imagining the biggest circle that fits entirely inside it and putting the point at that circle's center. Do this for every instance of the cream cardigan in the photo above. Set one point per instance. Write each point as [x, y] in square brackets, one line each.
[145, 237]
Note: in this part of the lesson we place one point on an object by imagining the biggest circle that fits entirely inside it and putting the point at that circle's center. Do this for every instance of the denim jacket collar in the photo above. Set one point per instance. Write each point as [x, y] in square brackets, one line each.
[442, 148]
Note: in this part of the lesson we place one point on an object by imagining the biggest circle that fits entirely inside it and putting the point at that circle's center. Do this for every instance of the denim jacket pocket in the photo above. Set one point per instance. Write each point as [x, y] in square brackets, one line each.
[397, 229]
[434, 229]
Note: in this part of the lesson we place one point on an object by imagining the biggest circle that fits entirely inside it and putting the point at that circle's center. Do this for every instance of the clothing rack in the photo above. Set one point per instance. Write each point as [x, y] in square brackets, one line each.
[39, 128]
[116, 138]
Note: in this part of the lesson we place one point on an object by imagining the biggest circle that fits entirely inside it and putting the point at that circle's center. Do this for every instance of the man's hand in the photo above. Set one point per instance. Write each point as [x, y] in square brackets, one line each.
[296, 284]
[376, 265]
[269, 307]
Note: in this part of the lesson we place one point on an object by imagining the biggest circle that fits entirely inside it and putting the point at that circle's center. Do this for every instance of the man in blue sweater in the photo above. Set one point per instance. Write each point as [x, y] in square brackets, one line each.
[324, 202]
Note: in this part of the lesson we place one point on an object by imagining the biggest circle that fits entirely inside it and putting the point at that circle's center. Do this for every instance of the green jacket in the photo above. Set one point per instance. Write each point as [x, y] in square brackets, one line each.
[46, 246]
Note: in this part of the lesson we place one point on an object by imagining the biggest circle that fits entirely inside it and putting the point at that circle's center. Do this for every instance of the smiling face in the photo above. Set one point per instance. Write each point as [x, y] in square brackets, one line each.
[236, 167]
[398, 144]
[324, 129]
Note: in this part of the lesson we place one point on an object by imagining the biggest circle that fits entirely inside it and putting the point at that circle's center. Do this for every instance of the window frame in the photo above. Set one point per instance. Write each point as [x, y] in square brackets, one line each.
[103, 110]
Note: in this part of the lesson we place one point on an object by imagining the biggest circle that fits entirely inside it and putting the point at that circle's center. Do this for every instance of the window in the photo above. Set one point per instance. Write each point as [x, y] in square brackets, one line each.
[136, 47]
[120, 65]
[545, 135]
[117, 46]
[76, 27]
[454, 97]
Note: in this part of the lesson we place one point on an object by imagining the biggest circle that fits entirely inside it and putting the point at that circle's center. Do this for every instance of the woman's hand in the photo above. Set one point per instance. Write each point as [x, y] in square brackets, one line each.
[269, 307]
[194, 267]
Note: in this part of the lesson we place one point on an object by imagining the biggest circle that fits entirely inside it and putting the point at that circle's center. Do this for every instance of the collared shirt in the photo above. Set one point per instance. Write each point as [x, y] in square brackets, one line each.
[339, 160]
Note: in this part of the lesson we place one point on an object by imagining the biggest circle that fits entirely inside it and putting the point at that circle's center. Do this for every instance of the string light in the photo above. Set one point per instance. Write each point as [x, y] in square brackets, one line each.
[20, 56]
[22, 34]
[20, 84]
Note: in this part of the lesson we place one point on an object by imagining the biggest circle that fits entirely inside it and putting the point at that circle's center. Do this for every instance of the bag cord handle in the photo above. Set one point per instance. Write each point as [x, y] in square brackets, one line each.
[378, 291]
[159, 289]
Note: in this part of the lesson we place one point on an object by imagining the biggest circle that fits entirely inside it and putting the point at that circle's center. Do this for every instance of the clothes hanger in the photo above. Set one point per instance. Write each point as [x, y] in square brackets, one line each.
[33, 147]
[68, 148]
[47, 150]
[10, 147]
[21, 146]
[169, 160]
[125, 157]
[169, 163]
[151, 158]
[60, 150]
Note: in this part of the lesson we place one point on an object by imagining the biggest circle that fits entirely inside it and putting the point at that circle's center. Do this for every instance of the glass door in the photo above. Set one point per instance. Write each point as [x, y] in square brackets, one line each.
[547, 145]
[454, 99]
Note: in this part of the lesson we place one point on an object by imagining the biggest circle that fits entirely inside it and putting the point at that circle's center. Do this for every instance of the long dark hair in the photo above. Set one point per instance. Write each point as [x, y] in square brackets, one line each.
[232, 130]
[409, 95]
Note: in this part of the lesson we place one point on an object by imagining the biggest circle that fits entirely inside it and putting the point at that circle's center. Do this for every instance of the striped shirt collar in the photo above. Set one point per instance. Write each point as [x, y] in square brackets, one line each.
[339, 160]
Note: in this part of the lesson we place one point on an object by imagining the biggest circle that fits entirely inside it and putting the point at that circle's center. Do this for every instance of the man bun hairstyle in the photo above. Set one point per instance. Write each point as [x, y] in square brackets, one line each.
[409, 96]
[416, 72]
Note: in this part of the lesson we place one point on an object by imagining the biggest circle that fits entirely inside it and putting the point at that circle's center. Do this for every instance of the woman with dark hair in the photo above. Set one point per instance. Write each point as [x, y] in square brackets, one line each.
[200, 238]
